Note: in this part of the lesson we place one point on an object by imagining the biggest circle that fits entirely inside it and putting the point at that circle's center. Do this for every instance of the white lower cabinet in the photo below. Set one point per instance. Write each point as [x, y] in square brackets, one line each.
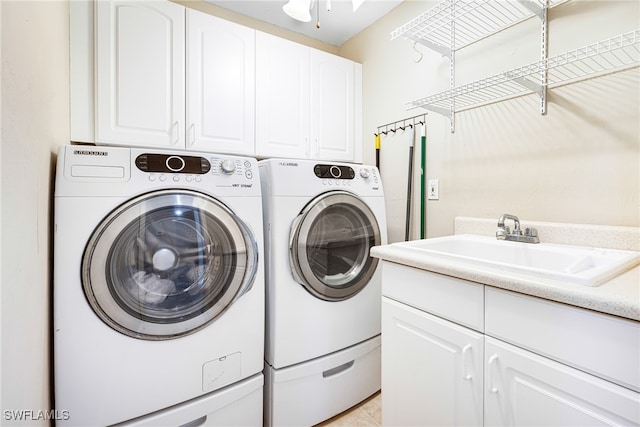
[553, 364]
[432, 369]
[525, 389]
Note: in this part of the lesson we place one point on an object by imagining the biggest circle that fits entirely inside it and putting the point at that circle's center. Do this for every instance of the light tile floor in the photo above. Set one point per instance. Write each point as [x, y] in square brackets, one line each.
[367, 414]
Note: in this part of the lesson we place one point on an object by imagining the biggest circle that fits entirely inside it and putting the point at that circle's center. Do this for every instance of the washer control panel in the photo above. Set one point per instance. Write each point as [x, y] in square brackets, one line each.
[344, 175]
[165, 163]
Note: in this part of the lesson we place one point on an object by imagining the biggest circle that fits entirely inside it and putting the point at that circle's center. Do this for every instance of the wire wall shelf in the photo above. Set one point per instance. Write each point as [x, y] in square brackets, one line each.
[454, 24]
[607, 56]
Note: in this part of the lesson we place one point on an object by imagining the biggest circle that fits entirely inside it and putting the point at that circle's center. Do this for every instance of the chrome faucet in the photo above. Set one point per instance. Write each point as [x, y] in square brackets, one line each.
[530, 235]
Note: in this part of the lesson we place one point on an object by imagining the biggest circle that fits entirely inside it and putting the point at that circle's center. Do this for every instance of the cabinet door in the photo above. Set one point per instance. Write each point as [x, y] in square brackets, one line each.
[432, 371]
[220, 85]
[525, 389]
[140, 83]
[282, 97]
[332, 107]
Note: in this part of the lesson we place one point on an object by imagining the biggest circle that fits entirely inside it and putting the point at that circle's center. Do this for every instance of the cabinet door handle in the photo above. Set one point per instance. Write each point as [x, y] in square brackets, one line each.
[493, 359]
[192, 134]
[466, 350]
[175, 133]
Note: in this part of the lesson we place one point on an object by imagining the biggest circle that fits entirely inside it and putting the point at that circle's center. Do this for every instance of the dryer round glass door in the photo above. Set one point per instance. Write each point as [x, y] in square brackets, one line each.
[167, 263]
[329, 246]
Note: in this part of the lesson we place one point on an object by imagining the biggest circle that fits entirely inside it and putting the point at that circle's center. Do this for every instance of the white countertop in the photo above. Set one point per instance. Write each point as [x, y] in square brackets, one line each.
[619, 296]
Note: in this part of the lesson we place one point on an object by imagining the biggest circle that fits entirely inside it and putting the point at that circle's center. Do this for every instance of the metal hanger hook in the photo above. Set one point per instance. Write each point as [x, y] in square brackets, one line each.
[417, 51]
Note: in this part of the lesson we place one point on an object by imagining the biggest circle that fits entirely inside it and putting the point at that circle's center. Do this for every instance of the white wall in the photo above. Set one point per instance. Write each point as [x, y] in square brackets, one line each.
[579, 163]
[35, 120]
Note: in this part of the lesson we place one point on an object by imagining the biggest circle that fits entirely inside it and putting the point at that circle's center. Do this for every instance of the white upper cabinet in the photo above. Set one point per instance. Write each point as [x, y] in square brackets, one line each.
[307, 102]
[220, 85]
[157, 74]
[282, 97]
[332, 106]
[140, 84]
[165, 77]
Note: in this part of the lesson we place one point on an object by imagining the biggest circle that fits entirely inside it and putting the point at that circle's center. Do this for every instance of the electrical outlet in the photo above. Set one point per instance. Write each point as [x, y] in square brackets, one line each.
[433, 192]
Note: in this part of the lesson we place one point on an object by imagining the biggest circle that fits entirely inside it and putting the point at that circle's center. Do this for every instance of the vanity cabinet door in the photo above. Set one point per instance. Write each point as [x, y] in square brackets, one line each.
[432, 371]
[140, 80]
[525, 389]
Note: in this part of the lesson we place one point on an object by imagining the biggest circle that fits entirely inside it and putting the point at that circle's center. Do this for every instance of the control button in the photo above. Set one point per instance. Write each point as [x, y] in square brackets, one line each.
[175, 163]
[176, 178]
[364, 173]
[247, 164]
[228, 166]
[142, 162]
[162, 178]
[189, 178]
[198, 178]
[152, 177]
[248, 174]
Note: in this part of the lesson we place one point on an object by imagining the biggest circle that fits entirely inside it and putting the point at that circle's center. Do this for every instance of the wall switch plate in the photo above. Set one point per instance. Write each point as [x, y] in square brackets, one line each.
[433, 192]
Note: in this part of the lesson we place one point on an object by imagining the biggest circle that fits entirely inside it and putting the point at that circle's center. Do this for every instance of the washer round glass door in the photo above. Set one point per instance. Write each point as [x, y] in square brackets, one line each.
[329, 246]
[166, 264]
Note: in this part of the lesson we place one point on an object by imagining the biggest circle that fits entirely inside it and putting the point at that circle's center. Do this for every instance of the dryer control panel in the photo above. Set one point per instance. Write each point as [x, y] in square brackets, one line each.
[165, 163]
[345, 175]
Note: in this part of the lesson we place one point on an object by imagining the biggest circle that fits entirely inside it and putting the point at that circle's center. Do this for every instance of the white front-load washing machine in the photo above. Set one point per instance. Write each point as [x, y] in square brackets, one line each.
[158, 288]
[322, 352]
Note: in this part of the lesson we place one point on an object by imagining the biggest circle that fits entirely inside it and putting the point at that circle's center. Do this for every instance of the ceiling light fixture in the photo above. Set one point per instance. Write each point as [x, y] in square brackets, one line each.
[299, 9]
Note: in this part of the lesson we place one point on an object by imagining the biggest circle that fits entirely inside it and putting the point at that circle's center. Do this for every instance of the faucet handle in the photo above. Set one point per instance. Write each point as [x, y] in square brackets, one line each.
[501, 234]
[531, 235]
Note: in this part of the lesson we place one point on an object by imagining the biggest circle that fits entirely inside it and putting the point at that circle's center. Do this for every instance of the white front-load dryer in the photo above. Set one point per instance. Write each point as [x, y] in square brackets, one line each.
[322, 351]
[158, 288]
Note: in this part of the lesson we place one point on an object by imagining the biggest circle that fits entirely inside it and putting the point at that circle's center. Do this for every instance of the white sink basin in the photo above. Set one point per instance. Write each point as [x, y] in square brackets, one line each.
[575, 264]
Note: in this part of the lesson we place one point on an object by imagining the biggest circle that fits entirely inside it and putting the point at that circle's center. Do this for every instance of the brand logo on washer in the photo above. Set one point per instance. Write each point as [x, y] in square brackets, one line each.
[90, 153]
[293, 164]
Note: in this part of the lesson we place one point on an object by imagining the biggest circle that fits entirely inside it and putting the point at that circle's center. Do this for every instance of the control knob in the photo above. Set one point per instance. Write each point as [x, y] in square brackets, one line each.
[364, 173]
[228, 166]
